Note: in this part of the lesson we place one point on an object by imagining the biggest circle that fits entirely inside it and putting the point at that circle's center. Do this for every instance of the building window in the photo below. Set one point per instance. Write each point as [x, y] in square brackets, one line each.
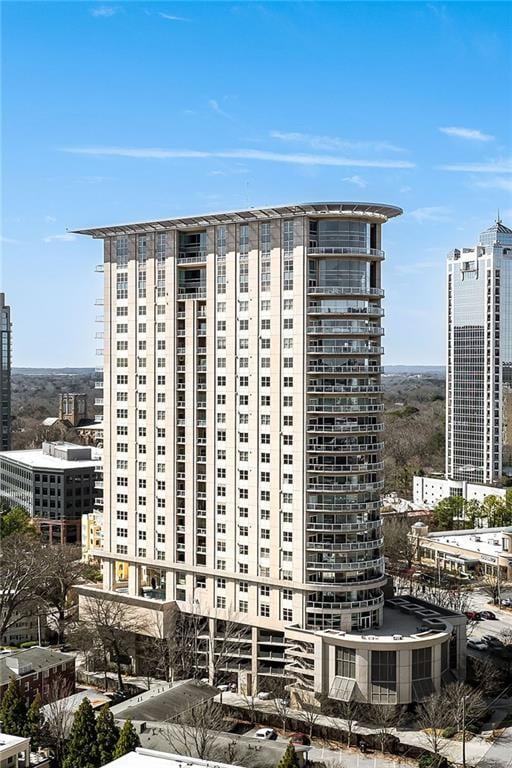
[383, 677]
[422, 685]
[346, 662]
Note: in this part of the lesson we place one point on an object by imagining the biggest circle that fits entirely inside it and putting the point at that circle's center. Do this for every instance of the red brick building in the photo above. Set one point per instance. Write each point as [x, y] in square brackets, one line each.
[36, 669]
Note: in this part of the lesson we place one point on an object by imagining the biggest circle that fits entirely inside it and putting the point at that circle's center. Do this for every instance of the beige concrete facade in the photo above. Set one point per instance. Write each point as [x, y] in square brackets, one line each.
[243, 420]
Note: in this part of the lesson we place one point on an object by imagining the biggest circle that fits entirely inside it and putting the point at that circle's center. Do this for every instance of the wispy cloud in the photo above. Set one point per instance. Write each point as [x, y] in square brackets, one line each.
[332, 142]
[9, 240]
[467, 133]
[104, 11]
[238, 154]
[430, 213]
[493, 166]
[357, 180]
[170, 17]
[215, 106]
[67, 237]
[50, 219]
[495, 183]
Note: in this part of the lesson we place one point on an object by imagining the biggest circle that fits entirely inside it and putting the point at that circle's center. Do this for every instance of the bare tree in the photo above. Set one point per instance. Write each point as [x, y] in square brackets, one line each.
[466, 704]
[183, 645]
[399, 545]
[112, 623]
[58, 717]
[64, 570]
[433, 715]
[386, 717]
[196, 732]
[280, 700]
[310, 711]
[224, 642]
[23, 573]
[493, 586]
[342, 710]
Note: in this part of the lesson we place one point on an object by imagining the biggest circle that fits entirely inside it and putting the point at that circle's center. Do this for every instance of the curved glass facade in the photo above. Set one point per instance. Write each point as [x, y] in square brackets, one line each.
[344, 409]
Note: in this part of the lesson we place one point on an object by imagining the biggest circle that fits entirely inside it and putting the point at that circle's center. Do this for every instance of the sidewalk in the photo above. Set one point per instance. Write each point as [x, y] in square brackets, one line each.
[476, 747]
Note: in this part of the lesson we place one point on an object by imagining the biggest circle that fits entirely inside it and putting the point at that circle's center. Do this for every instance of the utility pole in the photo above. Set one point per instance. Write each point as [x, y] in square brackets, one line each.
[464, 731]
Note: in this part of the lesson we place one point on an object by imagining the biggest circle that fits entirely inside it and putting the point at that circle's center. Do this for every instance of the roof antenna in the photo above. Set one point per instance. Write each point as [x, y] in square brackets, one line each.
[498, 220]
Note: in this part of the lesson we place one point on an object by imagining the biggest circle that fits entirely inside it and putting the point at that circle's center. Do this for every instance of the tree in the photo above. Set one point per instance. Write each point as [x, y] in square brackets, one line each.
[34, 721]
[449, 513]
[310, 712]
[107, 734]
[386, 717]
[58, 717]
[64, 570]
[111, 623]
[399, 545]
[23, 571]
[82, 748]
[494, 509]
[280, 700]
[289, 758]
[196, 731]
[15, 520]
[128, 740]
[342, 710]
[13, 710]
[433, 715]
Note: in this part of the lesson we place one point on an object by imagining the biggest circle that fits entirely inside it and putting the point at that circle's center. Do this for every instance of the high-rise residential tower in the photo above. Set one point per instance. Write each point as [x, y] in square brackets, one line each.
[243, 434]
[5, 374]
[479, 359]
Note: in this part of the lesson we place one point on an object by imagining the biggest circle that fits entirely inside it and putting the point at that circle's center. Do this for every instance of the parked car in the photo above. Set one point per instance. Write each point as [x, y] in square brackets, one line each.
[471, 615]
[477, 645]
[494, 642]
[264, 695]
[223, 688]
[488, 615]
[266, 733]
[301, 739]
[506, 602]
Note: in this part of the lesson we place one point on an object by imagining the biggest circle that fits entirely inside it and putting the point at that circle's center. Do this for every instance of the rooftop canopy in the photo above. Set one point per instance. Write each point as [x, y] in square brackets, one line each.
[372, 211]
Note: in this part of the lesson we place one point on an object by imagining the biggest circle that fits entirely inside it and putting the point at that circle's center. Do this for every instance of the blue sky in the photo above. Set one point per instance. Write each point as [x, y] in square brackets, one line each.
[125, 111]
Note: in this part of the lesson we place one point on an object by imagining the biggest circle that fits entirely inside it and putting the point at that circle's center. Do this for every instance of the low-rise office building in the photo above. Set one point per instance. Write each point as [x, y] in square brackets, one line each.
[55, 484]
[429, 491]
[475, 552]
[38, 670]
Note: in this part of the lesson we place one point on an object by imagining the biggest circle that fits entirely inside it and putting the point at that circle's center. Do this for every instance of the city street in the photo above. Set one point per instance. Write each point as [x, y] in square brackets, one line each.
[480, 601]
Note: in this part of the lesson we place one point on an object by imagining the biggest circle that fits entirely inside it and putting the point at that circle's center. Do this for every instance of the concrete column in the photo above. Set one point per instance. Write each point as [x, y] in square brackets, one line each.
[436, 667]
[254, 667]
[108, 575]
[133, 579]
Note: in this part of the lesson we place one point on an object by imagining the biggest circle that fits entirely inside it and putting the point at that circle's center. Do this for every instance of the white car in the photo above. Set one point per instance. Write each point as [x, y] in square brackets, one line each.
[477, 645]
[264, 695]
[266, 733]
[223, 688]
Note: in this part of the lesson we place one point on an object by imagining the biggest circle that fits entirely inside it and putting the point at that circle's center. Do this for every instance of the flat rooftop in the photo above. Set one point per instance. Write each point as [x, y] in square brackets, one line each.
[40, 659]
[480, 541]
[149, 758]
[35, 458]
[378, 211]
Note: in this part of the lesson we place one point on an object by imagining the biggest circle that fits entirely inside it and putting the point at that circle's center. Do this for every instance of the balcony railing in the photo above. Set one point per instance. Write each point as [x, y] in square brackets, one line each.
[368, 369]
[352, 546]
[342, 469]
[342, 408]
[344, 349]
[367, 525]
[339, 488]
[367, 312]
[359, 565]
[345, 330]
[373, 601]
[186, 257]
[345, 251]
[369, 506]
[346, 390]
[338, 290]
[340, 448]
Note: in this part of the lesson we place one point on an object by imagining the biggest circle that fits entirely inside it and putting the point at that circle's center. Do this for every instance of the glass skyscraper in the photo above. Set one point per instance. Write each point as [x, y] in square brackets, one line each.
[479, 364]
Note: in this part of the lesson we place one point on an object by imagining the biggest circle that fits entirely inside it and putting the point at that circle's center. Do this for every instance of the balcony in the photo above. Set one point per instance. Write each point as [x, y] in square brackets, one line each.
[330, 565]
[315, 367]
[340, 448]
[343, 469]
[339, 488]
[99, 319]
[338, 290]
[98, 402]
[98, 384]
[355, 348]
[374, 253]
[320, 407]
[192, 292]
[99, 302]
[367, 506]
[345, 329]
[191, 257]
[341, 427]
[340, 606]
[353, 546]
[99, 268]
[371, 311]
[367, 525]
[346, 390]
